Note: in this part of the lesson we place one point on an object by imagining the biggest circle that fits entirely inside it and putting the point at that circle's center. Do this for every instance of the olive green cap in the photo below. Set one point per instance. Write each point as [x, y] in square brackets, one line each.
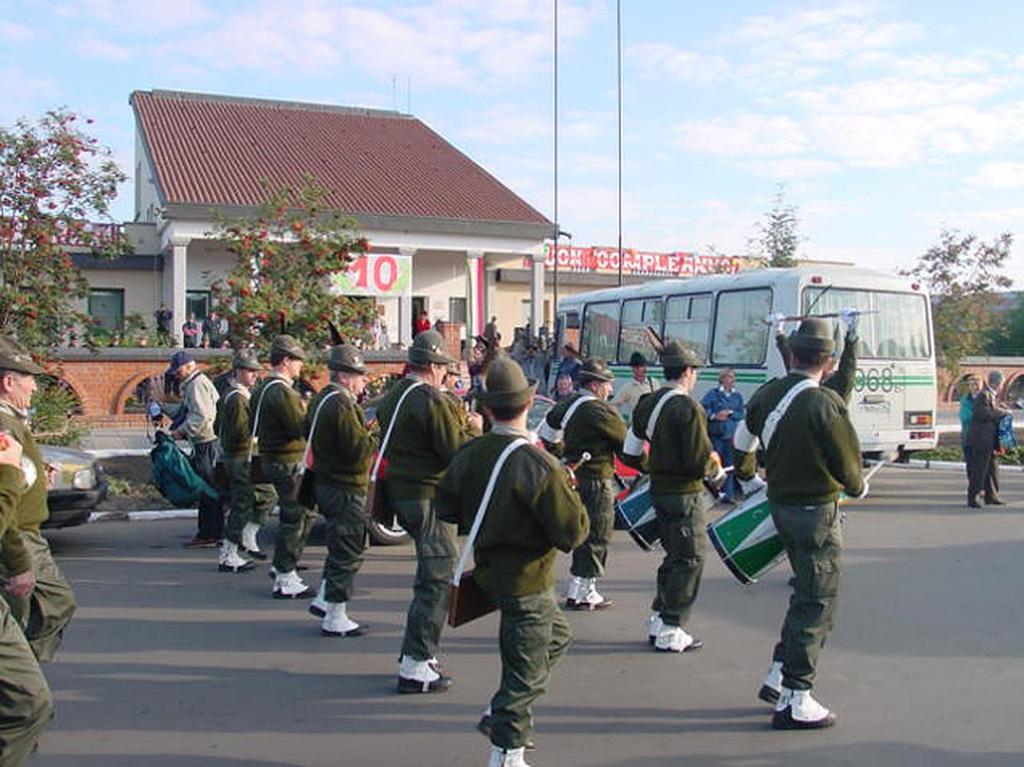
[814, 335]
[677, 355]
[595, 369]
[428, 347]
[286, 344]
[347, 359]
[246, 359]
[13, 357]
[505, 385]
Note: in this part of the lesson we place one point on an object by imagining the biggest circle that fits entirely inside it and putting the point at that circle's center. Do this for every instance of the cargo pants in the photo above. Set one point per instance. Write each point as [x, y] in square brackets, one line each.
[533, 637]
[435, 562]
[590, 557]
[45, 613]
[681, 525]
[345, 536]
[814, 544]
[26, 705]
[295, 519]
[249, 502]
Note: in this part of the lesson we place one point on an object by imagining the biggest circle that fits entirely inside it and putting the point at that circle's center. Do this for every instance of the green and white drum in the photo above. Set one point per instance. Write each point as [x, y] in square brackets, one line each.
[746, 539]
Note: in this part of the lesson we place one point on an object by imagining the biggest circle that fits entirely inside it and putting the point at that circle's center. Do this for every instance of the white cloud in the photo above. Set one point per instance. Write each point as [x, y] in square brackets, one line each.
[507, 124]
[94, 47]
[744, 135]
[11, 32]
[999, 175]
[25, 95]
[691, 66]
[794, 167]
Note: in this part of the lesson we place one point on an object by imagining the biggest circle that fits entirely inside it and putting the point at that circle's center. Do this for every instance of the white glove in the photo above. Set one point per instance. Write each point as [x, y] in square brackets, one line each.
[864, 492]
[752, 485]
[775, 321]
[849, 316]
[719, 476]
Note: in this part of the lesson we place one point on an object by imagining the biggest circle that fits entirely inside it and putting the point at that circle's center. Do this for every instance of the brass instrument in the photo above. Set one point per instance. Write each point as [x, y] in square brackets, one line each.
[570, 468]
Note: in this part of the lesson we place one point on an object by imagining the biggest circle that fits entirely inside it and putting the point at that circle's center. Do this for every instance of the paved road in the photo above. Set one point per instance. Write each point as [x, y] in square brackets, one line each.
[171, 664]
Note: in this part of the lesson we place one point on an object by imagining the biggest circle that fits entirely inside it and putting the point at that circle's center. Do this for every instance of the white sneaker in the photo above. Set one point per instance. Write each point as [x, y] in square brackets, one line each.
[230, 560]
[512, 757]
[318, 607]
[654, 626]
[798, 710]
[290, 586]
[588, 597]
[421, 676]
[674, 639]
[249, 532]
[336, 622]
[574, 590]
[771, 687]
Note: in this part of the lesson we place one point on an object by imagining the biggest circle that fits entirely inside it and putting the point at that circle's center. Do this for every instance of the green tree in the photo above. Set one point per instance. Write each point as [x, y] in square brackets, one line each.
[962, 273]
[285, 257]
[1007, 337]
[56, 188]
[777, 237]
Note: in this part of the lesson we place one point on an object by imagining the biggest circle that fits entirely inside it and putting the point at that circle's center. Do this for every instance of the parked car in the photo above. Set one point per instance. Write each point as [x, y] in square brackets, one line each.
[78, 487]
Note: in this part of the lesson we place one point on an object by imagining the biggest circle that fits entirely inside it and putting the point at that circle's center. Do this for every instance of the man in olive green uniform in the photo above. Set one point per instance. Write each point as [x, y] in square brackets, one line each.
[342, 448]
[532, 512]
[45, 609]
[26, 705]
[250, 503]
[425, 436]
[680, 455]
[587, 423]
[280, 443]
[811, 454]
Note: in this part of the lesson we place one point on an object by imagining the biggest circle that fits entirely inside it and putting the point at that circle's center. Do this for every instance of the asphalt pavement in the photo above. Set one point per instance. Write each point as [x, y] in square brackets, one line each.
[172, 664]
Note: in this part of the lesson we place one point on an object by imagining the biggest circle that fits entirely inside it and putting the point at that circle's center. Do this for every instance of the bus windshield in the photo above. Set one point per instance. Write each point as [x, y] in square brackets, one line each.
[894, 326]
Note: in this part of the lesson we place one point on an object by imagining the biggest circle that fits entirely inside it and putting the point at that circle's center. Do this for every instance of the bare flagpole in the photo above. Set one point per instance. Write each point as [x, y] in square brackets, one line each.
[618, 63]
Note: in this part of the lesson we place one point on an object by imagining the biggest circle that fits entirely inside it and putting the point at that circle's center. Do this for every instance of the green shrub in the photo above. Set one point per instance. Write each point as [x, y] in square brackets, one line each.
[53, 410]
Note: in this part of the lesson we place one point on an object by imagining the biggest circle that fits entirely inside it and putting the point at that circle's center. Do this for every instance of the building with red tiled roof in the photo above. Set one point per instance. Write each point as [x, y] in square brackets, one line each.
[418, 199]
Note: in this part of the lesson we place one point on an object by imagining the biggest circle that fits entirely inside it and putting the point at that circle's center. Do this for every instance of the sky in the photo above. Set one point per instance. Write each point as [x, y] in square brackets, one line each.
[885, 122]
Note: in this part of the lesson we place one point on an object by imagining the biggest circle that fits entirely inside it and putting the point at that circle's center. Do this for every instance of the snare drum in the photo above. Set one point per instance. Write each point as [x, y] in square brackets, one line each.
[746, 539]
[637, 511]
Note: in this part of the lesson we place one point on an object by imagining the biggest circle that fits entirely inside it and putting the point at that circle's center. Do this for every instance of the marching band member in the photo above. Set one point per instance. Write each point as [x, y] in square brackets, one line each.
[426, 435]
[589, 424]
[811, 455]
[675, 425]
[532, 512]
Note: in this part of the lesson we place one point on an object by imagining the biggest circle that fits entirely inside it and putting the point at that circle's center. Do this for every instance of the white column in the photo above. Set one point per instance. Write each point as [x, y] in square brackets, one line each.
[178, 282]
[476, 287]
[405, 317]
[537, 291]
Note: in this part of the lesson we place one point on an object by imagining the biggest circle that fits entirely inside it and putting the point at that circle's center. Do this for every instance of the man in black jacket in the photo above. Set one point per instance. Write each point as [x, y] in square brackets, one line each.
[983, 468]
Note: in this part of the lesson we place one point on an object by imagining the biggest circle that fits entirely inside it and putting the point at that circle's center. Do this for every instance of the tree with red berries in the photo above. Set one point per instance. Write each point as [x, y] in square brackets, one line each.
[56, 188]
[285, 256]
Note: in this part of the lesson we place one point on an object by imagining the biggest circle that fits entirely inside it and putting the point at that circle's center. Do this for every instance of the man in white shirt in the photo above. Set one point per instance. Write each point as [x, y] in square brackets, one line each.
[631, 392]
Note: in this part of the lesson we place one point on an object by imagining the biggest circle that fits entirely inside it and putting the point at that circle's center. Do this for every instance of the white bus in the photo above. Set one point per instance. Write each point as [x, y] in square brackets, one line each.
[723, 318]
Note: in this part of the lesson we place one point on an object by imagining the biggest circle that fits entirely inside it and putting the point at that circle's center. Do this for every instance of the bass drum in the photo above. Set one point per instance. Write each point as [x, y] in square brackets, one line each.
[746, 539]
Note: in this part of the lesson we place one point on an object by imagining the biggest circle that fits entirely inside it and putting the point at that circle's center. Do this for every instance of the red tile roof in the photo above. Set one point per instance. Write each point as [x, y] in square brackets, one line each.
[215, 150]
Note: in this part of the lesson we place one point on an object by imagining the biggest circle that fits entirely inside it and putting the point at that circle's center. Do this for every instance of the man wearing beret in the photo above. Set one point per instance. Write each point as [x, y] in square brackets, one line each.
[199, 401]
[341, 448]
[676, 427]
[26, 705]
[38, 594]
[280, 444]
[811, 454]
[532, 513]
[250, 503]
[425, 437]
[588, 423]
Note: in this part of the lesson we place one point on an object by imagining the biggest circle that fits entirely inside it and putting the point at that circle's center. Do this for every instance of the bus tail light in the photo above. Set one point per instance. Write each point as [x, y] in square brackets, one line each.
[922, 435]
[923, 418]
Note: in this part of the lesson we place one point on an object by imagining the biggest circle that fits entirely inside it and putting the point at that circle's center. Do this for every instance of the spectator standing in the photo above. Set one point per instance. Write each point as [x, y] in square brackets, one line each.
[215, 331]
[163, 317]
[966, 410]
[570, 364]
[422, 323]
[191, 332]
[629, 394]
[982, 438]
[724, 407]
[533, 367]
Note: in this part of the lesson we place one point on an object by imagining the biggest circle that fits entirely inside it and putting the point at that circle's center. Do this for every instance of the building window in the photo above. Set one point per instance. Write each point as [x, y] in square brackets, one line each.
[106, 305]
[457, 309]
[197, 302]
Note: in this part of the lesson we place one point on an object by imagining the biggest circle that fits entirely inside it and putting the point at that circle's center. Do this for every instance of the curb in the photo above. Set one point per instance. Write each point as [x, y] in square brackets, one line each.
[143, 516]
[947, 465]
[118, 452]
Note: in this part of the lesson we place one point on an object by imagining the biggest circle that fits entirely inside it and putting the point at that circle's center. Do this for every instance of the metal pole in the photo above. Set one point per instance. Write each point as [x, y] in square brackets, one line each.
[618, 64]
[554, 307]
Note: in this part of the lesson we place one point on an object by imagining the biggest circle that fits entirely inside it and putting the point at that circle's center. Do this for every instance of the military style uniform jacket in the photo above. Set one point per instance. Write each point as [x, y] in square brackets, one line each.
[425, 439]
[595, 427]
[680, 450]
[532, 512]
[199, 398]
[31, 510]
[282, 426]
[233, 426]
[342, 445]
[814, 453]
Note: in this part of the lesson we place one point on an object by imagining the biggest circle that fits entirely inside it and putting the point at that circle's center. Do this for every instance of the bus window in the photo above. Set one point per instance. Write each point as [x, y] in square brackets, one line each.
[741, 336]
[688, 319]
[637, 315]
[895, 325]
[600, 330]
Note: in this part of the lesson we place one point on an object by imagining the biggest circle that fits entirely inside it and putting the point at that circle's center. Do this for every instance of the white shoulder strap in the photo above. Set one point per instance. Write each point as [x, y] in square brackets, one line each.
[554, 436]
[774, 417]
[633, 444]
[312, 429]
[482, 509]
[391, 427]
[256, 420]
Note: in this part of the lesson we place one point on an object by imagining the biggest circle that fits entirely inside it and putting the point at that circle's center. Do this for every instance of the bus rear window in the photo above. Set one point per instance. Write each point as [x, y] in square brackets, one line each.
[637, 315]
[600, 330]
[893, 326]
[741, 336]
[688, 319]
